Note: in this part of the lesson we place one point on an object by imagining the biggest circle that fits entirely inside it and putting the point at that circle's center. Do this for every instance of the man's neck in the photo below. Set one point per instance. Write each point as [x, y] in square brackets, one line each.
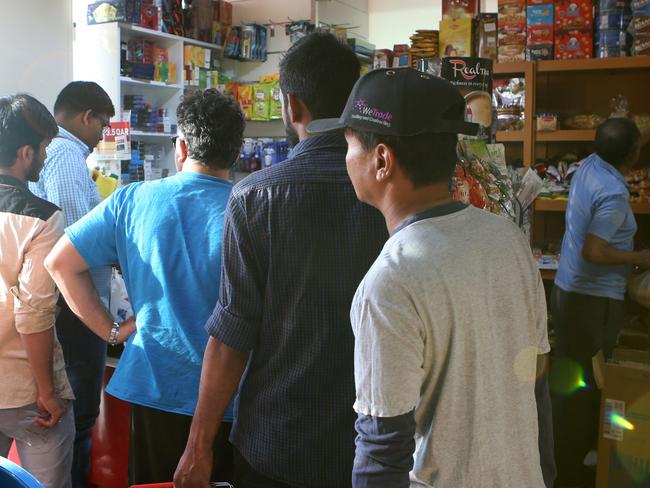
[13, 172]
[399, 208]
[191, 166]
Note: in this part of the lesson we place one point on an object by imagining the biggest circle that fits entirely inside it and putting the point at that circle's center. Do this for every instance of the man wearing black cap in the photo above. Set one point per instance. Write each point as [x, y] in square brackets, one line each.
[451, 317]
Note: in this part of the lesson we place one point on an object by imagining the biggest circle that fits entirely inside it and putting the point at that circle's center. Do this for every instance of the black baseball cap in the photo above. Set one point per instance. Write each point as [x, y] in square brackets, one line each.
[401, 102]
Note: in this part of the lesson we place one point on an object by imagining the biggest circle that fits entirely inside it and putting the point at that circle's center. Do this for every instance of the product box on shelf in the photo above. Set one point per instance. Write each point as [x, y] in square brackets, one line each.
[512, 54]
[456, 9]
[574, 45]
[539, 15]
[539, 34]
[641, 45]
[149, 16]
[641, 25]
[107, 11]
[573, 15]
[172, 17]
[486, 36]
[456, 37]
[222, 12]
[539, 52]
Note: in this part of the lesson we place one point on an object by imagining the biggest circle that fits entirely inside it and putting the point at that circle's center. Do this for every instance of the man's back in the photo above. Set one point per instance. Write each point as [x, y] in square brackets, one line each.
[299, 243]
[166, 237]
[461, 300]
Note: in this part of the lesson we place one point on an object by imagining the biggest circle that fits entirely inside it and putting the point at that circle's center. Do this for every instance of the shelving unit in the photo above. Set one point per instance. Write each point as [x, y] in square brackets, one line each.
[560, 205]
[510, 136]
[566, 136]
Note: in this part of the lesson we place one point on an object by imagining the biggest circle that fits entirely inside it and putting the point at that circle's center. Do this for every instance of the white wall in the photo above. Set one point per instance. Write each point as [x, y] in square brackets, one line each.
[35, 47]
[394, 21]
[352, 14]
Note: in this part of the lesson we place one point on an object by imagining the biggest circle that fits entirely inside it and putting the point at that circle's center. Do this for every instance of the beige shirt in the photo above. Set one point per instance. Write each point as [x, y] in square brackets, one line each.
[29, 228]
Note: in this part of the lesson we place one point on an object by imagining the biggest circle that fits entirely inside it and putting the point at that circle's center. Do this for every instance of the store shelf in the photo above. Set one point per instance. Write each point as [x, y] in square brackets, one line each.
[150, 83]
[566, 136]
[207, 45]
[511, 68]
[559, 205]
[510, 136]
[138, 133]
[630, 62]
[548, 274]
[149, 33]
[110, 157]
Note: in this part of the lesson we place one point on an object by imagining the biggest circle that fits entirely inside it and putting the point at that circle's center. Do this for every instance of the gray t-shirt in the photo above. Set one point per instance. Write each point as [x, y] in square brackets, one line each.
[448, 322]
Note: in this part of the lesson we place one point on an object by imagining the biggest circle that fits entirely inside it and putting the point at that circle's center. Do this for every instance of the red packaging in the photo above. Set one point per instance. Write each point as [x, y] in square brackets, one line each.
[149, 17]
[539, 34]
[537, 2]
[574, 45]
[456, 9]
[225, 12]
[573, 14]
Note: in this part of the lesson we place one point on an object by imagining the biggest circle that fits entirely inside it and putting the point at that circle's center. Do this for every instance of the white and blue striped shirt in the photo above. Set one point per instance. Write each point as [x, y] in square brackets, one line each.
[65, 181]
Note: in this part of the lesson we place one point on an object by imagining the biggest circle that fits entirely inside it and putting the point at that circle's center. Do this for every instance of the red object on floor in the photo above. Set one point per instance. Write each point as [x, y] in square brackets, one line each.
[13, 454]
[110, 450]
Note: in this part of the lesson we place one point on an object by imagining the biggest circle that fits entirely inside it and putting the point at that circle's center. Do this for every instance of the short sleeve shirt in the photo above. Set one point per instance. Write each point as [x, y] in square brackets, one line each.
[448, 322]
[599, 204]
[166, 237]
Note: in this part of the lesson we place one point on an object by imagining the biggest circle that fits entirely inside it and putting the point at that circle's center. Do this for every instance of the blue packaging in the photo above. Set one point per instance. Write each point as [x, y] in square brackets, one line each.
[539, 14]
[612, 20]
[610, 38]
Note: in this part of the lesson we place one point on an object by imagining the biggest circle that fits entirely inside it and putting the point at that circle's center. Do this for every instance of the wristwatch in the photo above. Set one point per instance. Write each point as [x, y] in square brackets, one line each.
[112, 337]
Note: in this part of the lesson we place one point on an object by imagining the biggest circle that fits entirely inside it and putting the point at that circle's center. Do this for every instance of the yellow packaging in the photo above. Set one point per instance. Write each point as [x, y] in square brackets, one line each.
[172, 73]
[245, 96]
[456, 37]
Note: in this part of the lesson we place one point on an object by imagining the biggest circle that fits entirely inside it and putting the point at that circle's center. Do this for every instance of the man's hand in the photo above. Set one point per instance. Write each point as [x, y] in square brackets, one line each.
[127, 328]
[194, 469]
[50, 408]
[643, 259]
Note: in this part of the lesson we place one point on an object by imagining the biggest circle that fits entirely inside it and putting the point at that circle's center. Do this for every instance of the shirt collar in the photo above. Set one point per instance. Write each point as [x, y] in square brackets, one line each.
[13, 181]
[431, 212]
[64, 134]
[318, 142]
[609, 168]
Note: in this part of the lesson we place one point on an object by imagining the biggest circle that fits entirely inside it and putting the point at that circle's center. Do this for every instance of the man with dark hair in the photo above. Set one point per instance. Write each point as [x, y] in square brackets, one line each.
[35, 396]
[587, 300]
[296, 244]
[81, 110]
[445, 367]
[166, 237]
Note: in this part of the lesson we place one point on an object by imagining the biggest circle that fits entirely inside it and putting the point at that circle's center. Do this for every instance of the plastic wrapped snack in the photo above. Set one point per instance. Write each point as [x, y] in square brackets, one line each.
[583, 122]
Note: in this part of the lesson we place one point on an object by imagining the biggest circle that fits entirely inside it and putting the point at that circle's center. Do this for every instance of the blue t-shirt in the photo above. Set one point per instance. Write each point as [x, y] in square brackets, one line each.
[599, 204]
[166, 236]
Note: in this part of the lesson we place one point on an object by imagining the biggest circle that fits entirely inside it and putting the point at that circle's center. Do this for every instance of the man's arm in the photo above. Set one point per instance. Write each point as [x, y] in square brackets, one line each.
[598, 251]
[70, 272]
[220, 375]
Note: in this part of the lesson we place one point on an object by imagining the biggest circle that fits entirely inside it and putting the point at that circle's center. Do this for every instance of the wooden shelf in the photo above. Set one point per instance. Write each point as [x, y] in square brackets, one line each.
[559, 205]
[566, 135]
[156, 84]
[630, 62]
[511, 68]
[510, 136]
[548, 274]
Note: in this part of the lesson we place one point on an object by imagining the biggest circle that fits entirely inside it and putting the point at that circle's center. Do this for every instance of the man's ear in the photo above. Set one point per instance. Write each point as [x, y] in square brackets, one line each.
[24, 154]
[385, 162]
[86, 116]
[182, 145]
[295, 109]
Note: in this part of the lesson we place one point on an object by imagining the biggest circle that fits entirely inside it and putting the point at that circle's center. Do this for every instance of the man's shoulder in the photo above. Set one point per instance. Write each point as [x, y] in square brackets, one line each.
[24, 203]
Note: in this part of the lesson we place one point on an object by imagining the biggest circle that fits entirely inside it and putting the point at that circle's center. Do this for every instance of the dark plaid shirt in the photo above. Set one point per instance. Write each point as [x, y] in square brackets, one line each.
[296, 245]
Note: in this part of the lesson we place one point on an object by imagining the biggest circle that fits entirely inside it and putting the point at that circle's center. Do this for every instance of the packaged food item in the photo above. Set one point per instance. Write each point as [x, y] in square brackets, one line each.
[539, 35]
[383, 58]
[641, 7]
[641, 45]
[261, 102]
[604, 5]
[546, 122]
[512, 54]
[583, 122]
[486, 36]
[456, 9]
[276, 101]
[510, 119]
[456, 37]
[542, 52]
[245, 97]
[573, 14]
[573, 45]
[641, 24]
[540, 14]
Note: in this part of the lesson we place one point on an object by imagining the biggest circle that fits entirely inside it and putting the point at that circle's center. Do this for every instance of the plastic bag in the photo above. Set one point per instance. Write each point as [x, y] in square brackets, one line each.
[639, 288]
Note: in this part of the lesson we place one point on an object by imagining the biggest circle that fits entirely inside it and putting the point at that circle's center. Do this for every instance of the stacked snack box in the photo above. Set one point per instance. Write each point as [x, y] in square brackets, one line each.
[486, 36]
[457, 27]
[539, 34]
[512, 31]
[573, 29]
[641, 27]
[612, 22]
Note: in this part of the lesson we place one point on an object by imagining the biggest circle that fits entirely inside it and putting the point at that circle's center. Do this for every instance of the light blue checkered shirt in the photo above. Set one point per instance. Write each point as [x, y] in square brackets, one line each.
[65, 181]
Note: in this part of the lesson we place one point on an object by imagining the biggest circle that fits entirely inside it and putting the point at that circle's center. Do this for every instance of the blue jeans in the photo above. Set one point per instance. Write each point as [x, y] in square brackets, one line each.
[45, 453]
[85, 359]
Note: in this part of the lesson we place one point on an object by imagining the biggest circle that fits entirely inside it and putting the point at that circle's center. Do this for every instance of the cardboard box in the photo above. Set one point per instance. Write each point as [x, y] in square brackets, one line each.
[540, 15]
[539, 35]
[456, 37]
[456, 9]
[624, 442]
[574, 45]
[539, 52]
[573, 15]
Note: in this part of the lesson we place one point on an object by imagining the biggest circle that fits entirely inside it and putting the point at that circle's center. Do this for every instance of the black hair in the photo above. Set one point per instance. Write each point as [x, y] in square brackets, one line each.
[321, 71]
[79, 96]
[24, 121]
[616, 140]
[212, 126]
[425, 158]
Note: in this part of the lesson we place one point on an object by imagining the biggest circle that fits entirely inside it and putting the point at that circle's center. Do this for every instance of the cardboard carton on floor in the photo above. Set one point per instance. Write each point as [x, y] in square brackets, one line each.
[624, 434]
